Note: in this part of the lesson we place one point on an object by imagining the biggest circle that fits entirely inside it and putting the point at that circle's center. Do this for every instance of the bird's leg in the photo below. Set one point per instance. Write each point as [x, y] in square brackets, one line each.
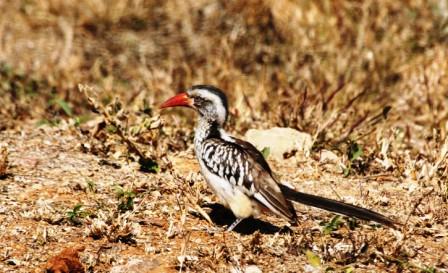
[234, 224]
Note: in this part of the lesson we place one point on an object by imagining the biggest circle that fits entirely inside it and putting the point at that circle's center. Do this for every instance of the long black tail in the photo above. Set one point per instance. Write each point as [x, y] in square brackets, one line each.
[336, 206]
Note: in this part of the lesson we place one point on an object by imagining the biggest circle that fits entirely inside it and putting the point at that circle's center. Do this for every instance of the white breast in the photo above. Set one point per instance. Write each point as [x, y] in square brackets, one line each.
[231, 196]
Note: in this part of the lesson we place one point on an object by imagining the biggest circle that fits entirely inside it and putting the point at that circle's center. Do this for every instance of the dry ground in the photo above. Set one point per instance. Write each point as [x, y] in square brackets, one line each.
[367, 79]
[50, 175]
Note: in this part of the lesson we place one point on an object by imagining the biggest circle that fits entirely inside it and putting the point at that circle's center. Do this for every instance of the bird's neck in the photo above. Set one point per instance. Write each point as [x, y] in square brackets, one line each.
[205, 129]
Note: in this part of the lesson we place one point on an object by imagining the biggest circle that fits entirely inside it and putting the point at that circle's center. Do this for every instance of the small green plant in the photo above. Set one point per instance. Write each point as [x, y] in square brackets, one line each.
[354, 151]
[49, 122]
[75, 215]
[126, 198]
[91, 186]
[148, 165]
[313, 259]
[111, 129]
[334, 224]
[265, 152]
[428, 270]
[81, 119]
[60, 103]
[63, 105]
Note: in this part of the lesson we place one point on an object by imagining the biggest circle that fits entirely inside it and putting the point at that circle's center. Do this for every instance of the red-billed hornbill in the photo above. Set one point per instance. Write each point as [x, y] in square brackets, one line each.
[237, 171]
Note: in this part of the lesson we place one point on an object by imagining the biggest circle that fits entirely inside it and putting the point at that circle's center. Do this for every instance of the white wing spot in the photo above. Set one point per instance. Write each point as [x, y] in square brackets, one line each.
[250, 177]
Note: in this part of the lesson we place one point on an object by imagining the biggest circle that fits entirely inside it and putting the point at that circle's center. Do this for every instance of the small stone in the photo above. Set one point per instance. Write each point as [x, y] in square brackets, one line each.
[137, 266]
[252, 269]
[327, 156]
[184, 258]
[332, 163]
[280, 141]
[247, 269]
[384, 201]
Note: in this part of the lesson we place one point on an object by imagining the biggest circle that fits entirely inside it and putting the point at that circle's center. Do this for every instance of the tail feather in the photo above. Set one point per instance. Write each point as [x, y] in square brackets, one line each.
[336, 206]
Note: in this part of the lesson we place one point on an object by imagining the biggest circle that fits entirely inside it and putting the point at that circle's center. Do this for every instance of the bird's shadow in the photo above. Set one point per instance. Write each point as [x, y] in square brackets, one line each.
[221, 216]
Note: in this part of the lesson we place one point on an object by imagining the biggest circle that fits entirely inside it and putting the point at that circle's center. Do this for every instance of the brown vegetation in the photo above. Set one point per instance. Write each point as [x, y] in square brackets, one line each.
[88, 160]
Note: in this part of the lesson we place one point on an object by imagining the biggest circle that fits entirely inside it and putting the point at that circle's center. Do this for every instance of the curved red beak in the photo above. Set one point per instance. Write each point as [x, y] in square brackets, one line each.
[181, 99]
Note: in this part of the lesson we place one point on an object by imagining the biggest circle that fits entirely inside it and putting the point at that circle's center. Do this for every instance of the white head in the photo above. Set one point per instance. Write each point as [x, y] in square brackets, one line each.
[209, 101]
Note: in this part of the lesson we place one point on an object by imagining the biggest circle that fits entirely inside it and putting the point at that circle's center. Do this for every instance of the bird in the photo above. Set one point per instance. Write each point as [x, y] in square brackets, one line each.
[238, 173]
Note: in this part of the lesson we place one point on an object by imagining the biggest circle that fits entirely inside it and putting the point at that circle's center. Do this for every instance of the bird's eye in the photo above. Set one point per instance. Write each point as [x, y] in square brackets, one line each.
[199, 102]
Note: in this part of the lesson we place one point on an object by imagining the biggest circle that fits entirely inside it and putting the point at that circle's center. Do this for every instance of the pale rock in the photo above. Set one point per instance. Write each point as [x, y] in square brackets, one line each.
[252, 269]
[247, 269]
[342, 247]
[310, 269]
[280, 140]
[327, 156]
[331, 161]
[409, 185]
[137, 266]
[189, 258]
[384, 200]
[386, 163]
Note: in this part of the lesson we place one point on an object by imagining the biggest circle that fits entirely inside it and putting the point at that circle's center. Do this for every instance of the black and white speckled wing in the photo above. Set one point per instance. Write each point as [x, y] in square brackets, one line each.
[242, 165]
